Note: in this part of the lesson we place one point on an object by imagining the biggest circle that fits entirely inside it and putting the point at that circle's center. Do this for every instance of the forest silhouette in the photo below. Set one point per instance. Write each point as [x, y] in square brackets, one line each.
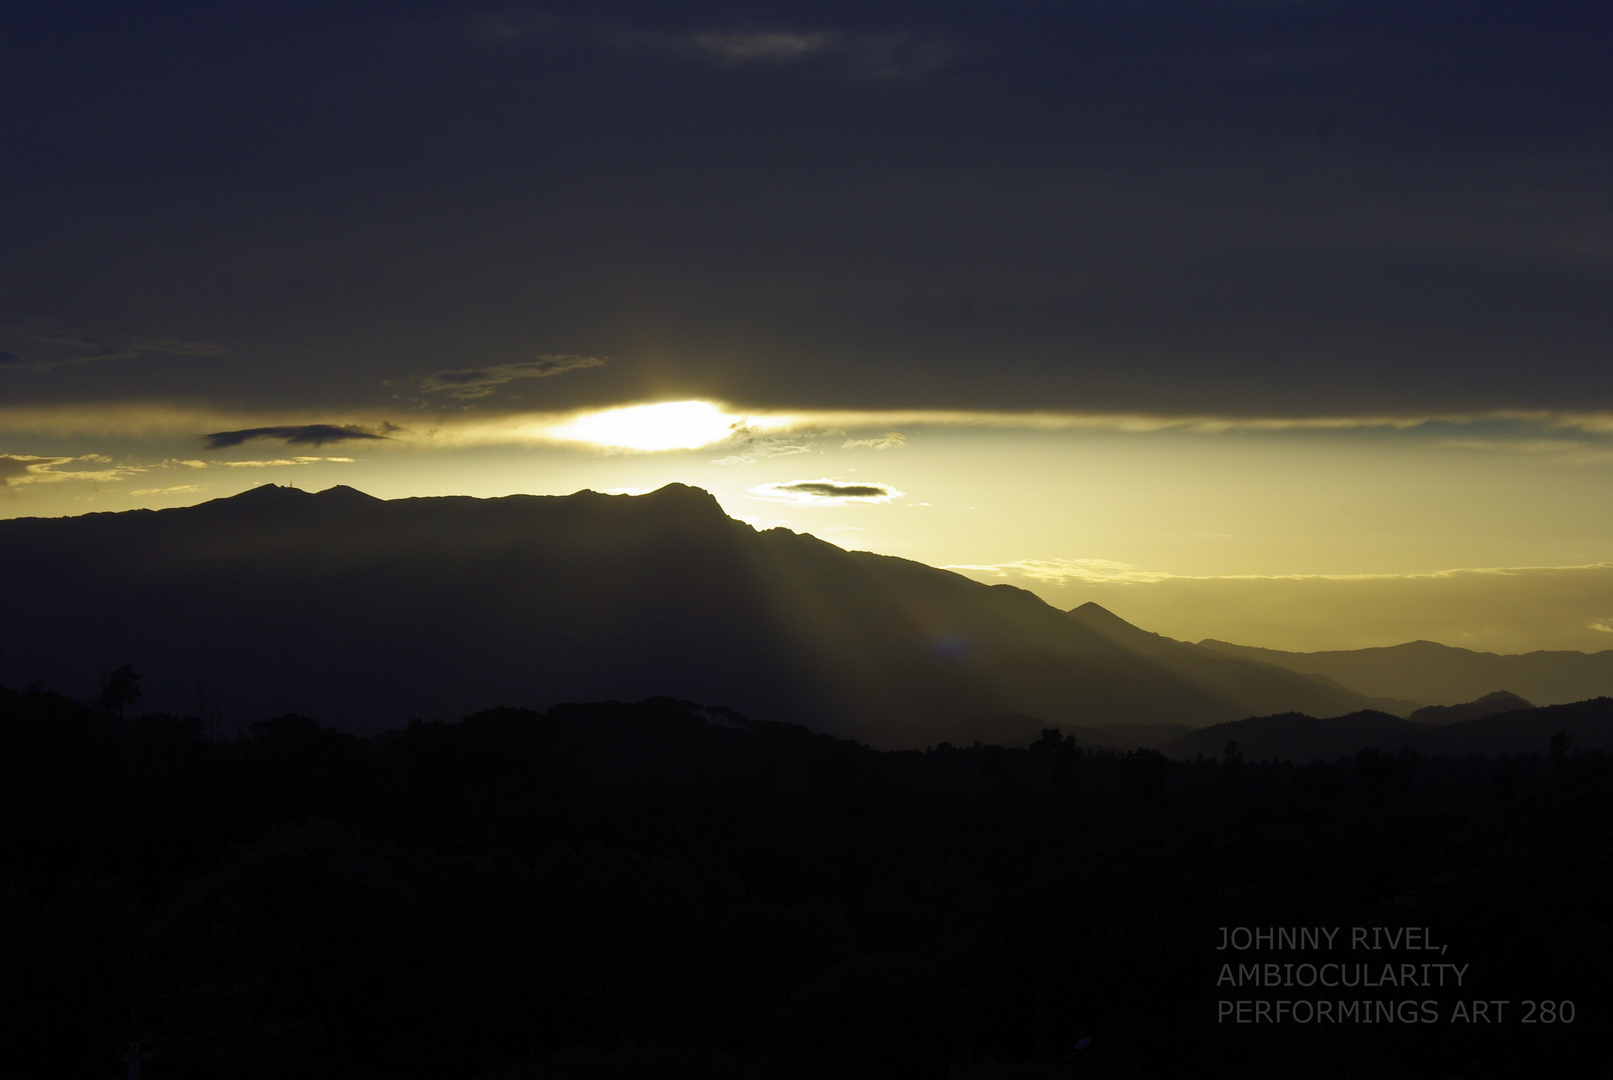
[664, 889]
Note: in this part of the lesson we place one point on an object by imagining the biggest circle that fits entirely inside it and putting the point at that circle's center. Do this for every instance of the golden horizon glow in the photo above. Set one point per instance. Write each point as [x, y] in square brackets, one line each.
[1287, 533]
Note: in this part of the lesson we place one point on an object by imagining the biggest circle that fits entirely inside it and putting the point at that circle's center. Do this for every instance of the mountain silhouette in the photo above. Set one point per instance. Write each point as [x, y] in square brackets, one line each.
[367, 612]
[1437, 674]
[1296, 737]
[1261, 686]
[1501, 701]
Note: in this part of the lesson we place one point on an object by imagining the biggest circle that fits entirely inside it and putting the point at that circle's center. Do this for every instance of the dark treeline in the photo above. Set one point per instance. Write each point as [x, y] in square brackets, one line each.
[663, 890]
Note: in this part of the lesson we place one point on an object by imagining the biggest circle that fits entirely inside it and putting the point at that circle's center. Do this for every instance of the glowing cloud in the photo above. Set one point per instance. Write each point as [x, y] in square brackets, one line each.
[274, 463]
[13, 467]
[1066, 571]
[16, 469]
[670, 425]
[894, 441]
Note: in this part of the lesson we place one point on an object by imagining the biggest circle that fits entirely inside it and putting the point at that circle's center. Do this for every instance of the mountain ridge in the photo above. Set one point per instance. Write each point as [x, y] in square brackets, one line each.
[1447, 675]
[367, 612]
[1587, 725]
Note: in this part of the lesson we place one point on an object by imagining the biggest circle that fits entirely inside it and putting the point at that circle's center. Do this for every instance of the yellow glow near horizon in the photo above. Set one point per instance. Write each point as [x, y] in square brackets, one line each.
[669, 425]
[1309, 539]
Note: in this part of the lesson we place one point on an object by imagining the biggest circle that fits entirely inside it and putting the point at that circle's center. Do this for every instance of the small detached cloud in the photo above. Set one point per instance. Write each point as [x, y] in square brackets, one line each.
[466, 383]
[894, 441]
[826, 492]
[303, 435]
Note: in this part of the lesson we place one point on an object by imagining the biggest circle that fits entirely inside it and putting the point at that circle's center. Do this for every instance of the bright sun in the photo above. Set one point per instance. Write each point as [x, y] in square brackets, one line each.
[670, 425]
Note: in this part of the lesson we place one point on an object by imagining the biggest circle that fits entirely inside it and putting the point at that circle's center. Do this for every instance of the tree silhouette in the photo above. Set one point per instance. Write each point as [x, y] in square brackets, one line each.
[119, 690]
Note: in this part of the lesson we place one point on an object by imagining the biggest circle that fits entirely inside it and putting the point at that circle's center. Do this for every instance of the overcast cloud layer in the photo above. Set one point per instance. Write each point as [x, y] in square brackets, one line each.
[1239, 208]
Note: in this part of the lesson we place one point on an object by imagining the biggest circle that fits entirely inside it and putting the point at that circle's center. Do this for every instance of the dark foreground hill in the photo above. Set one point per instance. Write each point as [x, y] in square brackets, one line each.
[1585, 725]
[661, 891]
[1436, 674]
[371, 612]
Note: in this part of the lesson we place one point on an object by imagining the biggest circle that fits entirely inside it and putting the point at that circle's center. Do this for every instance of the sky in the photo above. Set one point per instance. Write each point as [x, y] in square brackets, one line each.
[1285, 323]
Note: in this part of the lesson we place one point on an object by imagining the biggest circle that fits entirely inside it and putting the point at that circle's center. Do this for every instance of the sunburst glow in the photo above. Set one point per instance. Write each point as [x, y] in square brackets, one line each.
[669, 425]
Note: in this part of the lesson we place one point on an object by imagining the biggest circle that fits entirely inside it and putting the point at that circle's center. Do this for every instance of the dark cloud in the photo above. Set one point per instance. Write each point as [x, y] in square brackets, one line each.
[481, 382]
[826, 490]
[10, 358]
[837, 491]
[1167, 206]
[304, 435]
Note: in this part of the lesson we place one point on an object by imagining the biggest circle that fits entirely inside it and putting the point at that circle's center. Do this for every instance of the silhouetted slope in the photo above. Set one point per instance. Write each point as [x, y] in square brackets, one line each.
[367, 612]
[1296, 737]
[1499, 702]
[1259, 687]
[1437, 674]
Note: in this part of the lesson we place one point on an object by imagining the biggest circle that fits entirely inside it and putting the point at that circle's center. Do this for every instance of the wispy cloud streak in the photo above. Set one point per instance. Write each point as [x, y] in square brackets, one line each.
[299, 435]
[465, 383]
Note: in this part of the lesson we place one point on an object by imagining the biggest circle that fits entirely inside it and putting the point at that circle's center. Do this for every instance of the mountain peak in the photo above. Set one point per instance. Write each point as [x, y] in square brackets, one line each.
[342, 494]
[1101, 618]
[684, 493]
[265, 494]
[691, 506]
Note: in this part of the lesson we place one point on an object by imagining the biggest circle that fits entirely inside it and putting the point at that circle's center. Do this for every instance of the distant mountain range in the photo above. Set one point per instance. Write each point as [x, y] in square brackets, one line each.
[366, 613]
[1435, 674]
[1588, 725]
